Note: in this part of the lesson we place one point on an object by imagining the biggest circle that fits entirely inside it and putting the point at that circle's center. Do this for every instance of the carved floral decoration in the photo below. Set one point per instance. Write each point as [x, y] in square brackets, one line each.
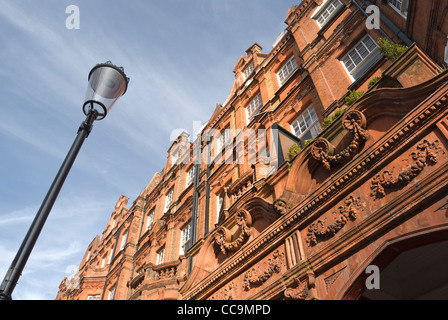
[229, 292]
[322, 150]
[223, 236]
[321, 229]
[255, 277]
[426, 154]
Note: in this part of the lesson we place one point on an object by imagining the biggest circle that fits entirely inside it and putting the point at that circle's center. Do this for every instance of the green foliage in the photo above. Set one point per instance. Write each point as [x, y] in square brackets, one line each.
[338, 113]
[353, 96]
[330, 119]
[307, 142]
[389, 50]
[373, 81]
[327, 121]
[293, 151]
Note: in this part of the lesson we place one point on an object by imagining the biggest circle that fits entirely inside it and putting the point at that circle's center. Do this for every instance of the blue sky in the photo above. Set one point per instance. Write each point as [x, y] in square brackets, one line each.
[179, 55]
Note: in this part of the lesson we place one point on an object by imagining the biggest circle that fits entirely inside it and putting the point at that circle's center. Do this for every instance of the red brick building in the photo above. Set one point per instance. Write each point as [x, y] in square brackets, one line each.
[327, 164]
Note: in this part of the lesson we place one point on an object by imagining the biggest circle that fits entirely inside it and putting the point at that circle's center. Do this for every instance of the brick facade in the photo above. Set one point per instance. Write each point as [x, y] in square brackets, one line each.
[247, 220]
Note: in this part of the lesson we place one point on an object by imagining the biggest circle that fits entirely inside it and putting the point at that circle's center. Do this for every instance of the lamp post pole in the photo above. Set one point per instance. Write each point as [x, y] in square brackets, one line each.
[106, 84]
[16, 268]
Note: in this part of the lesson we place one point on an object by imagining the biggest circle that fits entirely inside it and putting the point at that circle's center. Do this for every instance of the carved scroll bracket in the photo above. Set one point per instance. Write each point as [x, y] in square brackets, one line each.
[223, 236]
[323, 151]
[305, 289]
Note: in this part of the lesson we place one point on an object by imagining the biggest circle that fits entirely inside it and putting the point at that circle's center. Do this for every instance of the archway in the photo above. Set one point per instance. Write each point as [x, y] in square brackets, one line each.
[411, 269]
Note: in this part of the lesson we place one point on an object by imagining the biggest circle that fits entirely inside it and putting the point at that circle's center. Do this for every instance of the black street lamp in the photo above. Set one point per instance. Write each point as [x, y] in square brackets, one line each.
[107, 83]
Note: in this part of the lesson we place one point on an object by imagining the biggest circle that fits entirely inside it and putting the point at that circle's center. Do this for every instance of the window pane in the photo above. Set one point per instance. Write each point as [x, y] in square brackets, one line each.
[359, 53]
[306, 126]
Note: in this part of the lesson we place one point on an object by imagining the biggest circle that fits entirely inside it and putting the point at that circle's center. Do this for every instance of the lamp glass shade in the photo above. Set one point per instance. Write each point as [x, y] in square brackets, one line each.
[107, 83]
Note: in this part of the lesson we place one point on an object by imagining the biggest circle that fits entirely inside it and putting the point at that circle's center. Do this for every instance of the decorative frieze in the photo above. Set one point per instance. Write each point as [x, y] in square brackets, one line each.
[424, 155]
[322, 229]
[229, 292]
[256, 276]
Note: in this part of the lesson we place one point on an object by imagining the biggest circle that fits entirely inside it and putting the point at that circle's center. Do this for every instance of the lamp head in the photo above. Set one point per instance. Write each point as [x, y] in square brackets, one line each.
[107, 83]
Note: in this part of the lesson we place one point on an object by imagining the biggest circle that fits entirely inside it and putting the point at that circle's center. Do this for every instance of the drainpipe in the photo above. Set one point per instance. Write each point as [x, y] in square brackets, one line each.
[195, 202]
[207, 194]
[408, 20]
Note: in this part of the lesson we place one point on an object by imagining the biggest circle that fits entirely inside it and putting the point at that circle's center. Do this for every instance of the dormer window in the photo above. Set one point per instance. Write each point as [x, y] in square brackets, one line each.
[326, 11]
[150, 220]
[286, 70]
[361, 57]
[248, 70]
[224, 139]
[174, 157]
[169, 199]
[254, 105]
[124, 240]
[190, 175]
[401, 6]
[185, 236]
[306, 126]
[160, 256]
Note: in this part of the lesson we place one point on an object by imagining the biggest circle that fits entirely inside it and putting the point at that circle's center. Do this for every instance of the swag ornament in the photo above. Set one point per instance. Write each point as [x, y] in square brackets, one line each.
[323, 151]
[223, 237]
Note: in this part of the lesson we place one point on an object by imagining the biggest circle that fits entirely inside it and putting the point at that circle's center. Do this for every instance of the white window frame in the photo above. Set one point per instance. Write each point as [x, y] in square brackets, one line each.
[174, 158]
[103, 262]
[328, 7]
[112, 293]
[169, 199]
[446, 51]
[190, 175]
[253, 106]
[160, 256]
[315, 125]
[185, 236]
[110, 256]
[248, 70]
[124, 240]
[354, 50]
[94, 297]
[150, 220]
[287, 70]
[219, 202]
[398, 5]
[224, 139]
